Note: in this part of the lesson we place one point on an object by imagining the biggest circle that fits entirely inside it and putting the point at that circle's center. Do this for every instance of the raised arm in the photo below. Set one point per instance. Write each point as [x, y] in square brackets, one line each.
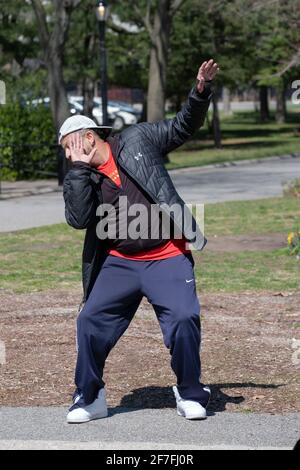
[171, 133]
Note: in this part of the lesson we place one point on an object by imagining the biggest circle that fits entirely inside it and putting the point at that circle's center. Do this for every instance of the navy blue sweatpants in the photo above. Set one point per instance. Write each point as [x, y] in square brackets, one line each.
[169, 285]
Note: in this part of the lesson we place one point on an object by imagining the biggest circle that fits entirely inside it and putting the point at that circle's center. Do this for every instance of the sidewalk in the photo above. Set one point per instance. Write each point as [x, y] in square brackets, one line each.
[46, 428]
[14, 189]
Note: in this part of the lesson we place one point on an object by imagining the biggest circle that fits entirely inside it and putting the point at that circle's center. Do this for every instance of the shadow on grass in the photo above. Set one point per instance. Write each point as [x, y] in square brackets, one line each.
[162, 397]
[259, 132]
[248, 126]
[254, 144]
[253, 117]
[250, 133]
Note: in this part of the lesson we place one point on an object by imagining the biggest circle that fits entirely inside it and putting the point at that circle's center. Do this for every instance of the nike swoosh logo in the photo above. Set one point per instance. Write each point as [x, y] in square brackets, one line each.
[187, 281]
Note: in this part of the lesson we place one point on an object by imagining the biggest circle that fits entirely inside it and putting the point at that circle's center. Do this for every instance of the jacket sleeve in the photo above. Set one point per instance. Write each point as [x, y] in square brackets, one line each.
[79, 196]
[171, 133]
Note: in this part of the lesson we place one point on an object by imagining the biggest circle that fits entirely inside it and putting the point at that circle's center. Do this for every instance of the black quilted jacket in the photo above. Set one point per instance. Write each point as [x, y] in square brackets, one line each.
[139, 150]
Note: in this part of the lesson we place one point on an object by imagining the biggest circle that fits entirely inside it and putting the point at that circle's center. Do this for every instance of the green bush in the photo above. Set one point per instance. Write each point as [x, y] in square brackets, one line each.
[27, 142]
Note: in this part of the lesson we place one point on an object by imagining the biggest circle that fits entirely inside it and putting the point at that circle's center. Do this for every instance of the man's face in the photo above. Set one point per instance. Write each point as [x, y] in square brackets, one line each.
[88, 142]
[66, 146]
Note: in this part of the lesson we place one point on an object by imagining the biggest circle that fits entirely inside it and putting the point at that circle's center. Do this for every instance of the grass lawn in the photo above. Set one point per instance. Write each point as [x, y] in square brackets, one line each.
[247, 271]
[50, 257]
[41, 258]
[241, 271]
[280, 214]
[244, 137]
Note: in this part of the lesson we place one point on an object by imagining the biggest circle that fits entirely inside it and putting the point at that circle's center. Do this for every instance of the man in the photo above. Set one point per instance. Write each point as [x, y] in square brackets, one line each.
[119, 271]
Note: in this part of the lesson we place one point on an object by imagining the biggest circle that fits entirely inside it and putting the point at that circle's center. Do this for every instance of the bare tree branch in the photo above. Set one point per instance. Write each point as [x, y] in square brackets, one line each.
[293, 46]
[120, 27]
[145, 19]
[294, 62]
[52, 42]
[62, 15]
[42, 22]
[75, 3]
[148, 12]
[176, 5]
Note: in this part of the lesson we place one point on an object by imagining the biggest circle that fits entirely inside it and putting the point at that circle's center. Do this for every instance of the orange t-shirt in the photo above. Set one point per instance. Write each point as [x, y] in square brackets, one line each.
[167, 250]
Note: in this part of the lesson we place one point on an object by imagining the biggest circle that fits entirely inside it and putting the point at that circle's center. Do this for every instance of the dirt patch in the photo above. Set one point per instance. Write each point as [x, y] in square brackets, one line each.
[248, 356]
[231, 243]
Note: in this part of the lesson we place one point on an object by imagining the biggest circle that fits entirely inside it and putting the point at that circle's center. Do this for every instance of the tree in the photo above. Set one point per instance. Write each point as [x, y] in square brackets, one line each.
[53, 27]
[276, 47]
[81, 53]
[127, 54]
[18, 50]
[264, 103]
[288, 13]
[203, 30]
[159, 30]
[156, 17]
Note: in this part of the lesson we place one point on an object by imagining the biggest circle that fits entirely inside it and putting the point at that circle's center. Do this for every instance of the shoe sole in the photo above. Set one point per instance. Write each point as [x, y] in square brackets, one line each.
[87, 420]
[192, 417]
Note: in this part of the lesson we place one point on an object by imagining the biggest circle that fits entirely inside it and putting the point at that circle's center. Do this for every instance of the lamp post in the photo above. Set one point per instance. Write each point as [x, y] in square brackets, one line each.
[102, 14]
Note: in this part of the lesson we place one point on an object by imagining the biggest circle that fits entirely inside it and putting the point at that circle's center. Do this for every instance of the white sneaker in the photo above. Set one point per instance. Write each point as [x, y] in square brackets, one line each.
[97, 410]
[189, 409]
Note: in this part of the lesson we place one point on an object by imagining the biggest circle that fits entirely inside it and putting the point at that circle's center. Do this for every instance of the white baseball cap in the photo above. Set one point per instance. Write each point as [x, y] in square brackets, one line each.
[79, 122]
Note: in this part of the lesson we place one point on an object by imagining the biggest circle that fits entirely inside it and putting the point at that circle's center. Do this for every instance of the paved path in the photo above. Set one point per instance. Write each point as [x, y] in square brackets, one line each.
[146, 429]
[236, 183]
[32, 211]
[204, 185]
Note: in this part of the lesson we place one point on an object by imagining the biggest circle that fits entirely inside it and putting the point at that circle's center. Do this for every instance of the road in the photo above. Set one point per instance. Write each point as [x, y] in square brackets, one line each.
[197, 185]
[237, 183]
[45, 428]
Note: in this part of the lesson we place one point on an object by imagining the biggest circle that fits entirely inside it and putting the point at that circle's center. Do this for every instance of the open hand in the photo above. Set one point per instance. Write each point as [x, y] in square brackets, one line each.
[77, 152]
[207, 72]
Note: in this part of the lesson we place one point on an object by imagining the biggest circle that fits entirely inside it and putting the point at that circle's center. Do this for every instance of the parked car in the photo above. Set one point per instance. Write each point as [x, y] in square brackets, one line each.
[137, 111]
[125, 116]
[76, 107]
[121, 118]
[37, 102]
[118, 117]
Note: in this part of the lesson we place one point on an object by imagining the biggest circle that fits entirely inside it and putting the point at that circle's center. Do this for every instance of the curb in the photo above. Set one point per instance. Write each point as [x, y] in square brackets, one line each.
[33, 192]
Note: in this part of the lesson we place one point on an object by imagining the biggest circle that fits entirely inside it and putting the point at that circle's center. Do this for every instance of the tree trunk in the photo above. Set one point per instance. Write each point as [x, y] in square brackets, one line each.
[53, 43]
[158, 62]
[57, 93]
[144, 109]
[264, 103]
[226, 102]
[209, 124]
[178, 103]
[280, 103]
[88, 89]
[216, 122]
